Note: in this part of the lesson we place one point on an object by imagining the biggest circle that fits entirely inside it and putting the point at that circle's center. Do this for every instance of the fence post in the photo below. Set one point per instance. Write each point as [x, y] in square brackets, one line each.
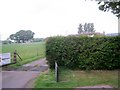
[56, 72]
[15, 57]
[19, 56]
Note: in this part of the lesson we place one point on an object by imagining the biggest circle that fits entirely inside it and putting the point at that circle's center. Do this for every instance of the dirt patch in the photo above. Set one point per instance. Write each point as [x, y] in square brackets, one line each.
[38, 65]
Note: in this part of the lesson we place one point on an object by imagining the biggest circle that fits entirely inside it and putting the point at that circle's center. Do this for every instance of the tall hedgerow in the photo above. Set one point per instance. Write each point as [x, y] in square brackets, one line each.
[83, 53]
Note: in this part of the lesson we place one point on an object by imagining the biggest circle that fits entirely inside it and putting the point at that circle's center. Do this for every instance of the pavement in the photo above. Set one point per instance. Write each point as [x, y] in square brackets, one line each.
[20, 78]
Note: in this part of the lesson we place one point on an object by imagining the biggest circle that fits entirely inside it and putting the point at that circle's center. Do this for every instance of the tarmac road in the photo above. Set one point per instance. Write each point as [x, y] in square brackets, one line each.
[17, 79]
[22, 77]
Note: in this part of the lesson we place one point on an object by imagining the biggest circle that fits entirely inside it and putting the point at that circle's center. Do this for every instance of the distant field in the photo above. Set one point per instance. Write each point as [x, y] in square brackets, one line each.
[28, 51]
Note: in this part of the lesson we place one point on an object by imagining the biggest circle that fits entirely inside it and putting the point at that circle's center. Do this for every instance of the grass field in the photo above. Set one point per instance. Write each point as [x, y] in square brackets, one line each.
[72, 79]
[28, 51]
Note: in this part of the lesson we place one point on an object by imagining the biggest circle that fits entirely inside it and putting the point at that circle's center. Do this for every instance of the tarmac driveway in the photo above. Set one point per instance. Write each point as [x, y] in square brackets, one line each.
[17, 79]
[21, 77]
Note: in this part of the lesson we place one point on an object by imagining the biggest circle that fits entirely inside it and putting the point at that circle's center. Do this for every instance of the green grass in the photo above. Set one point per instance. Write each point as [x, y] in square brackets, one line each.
[27, 51]
[71, 79]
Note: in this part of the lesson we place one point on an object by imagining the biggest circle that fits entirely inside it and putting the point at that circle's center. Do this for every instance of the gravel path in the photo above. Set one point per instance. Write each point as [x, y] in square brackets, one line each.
[21, 77]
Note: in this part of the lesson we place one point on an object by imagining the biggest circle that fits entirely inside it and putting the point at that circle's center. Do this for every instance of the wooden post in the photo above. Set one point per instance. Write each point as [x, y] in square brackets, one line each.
[19, 56]
[56, 72]
[15, 57]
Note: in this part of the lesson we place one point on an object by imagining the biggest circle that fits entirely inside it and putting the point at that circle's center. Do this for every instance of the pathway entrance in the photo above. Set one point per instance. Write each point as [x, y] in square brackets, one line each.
[19, 78]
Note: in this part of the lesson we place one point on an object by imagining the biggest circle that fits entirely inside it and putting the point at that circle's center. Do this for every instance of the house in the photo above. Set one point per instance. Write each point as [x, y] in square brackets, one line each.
[89, 34]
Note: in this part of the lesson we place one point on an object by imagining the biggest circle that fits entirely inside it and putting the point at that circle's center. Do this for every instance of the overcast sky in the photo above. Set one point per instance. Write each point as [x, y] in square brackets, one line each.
[53, 17]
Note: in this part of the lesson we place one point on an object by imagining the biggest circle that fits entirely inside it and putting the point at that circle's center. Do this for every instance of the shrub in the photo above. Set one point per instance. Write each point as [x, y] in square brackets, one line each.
[6, 42]
[75, 52]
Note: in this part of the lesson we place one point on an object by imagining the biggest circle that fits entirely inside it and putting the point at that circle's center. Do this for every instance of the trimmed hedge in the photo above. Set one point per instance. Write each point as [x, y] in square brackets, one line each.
[84, 53]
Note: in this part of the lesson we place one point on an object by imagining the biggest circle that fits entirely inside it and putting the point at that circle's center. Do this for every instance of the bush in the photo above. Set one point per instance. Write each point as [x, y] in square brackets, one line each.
[37, 39]
[6, 42]
[84, 53]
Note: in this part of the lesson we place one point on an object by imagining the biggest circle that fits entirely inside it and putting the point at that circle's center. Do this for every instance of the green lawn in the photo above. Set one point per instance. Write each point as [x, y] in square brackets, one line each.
[28, 51]
[71, 79]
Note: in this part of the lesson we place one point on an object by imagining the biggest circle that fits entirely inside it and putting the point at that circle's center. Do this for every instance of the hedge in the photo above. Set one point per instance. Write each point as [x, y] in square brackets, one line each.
[75, 52]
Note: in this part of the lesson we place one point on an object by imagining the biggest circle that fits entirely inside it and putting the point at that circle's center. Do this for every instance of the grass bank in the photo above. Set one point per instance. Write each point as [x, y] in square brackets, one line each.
[71, 79]
[28, 51]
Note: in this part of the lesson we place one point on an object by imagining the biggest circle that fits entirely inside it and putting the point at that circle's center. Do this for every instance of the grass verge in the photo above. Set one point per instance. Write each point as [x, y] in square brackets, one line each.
[72, 79]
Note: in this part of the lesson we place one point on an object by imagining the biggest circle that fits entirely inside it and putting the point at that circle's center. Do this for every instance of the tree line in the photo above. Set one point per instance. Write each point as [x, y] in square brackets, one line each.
[22, 36]
[87, 27]
[114, 7]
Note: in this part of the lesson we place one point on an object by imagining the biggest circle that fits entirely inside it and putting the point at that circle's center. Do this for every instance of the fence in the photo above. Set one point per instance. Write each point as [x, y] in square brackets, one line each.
[5, 59]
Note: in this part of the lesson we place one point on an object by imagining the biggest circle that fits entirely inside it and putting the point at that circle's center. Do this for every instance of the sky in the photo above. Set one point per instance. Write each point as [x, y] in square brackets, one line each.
[53, 17]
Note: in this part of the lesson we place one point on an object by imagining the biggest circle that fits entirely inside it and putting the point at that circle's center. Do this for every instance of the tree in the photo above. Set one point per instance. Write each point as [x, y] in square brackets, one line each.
[113, 6]
[87, 27]
[12, 36]
[80, 29]
[29, 35]
[22, 35]
[91, 27]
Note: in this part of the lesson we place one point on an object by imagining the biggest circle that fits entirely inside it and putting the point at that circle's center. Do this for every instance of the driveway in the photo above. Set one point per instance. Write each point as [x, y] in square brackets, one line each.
[21, 77]
[17, 79]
